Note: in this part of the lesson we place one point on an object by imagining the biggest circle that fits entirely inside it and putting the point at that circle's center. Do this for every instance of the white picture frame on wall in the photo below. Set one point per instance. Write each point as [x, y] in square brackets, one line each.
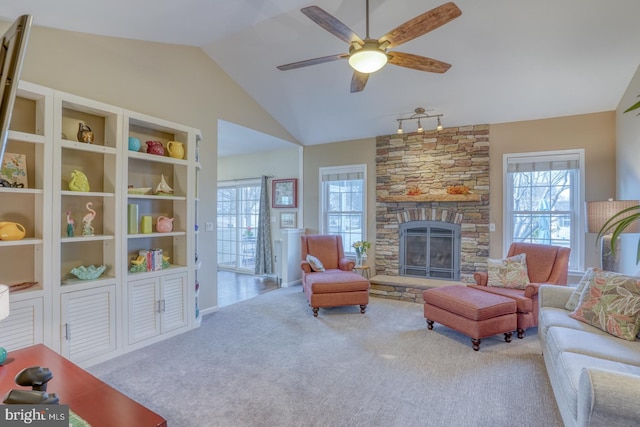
[288, 219]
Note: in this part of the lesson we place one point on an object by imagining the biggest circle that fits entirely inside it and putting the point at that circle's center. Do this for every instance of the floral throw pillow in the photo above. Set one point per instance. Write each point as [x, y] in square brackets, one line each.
[611, 302]
[509, 272]
[316, 264]
[574, 299]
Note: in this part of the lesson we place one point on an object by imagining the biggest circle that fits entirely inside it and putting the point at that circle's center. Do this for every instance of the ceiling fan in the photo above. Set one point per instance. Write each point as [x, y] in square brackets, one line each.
[369, 55]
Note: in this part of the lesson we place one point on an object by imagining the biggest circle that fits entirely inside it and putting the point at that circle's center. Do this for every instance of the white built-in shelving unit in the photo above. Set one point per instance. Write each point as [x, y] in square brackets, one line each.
[90, 321]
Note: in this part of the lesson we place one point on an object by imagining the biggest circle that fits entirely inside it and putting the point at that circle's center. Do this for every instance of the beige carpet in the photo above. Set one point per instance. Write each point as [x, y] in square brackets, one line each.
[268, 362]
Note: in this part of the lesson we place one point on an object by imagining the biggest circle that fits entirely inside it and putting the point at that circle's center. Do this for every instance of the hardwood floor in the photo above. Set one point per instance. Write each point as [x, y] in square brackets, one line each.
[235, 287]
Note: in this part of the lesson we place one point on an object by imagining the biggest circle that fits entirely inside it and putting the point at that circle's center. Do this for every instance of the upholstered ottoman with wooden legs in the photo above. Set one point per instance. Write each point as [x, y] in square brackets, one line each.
[471, 312]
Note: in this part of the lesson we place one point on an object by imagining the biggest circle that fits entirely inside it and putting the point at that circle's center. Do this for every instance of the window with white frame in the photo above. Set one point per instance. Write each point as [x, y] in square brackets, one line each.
[342, 203]
[543, 200]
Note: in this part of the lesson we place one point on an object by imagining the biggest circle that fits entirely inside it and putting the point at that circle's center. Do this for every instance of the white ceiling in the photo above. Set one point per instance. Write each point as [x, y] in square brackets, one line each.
[511, 60]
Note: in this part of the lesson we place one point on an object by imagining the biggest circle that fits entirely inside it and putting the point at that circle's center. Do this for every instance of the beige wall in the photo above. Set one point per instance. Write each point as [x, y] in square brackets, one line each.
[628, 166]
[176, 83]
[593, 132]
[279, 164]
[360, 151]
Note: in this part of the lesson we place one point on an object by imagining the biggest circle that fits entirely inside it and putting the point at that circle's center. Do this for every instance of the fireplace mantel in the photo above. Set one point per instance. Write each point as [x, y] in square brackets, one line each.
[431, 198]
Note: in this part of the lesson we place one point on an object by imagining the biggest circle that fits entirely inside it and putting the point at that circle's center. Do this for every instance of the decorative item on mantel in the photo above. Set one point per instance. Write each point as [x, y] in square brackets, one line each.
[163, 188]
[458, 189]
[87, 228]
[84, 133]
[79, 182]
[414, 191]
[361, 249]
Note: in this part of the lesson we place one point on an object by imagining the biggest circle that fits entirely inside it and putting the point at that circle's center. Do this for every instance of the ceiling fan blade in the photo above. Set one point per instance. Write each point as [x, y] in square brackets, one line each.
[416, 62]
[331, 24]
[313, 61]
[358, 81]
[421, 24]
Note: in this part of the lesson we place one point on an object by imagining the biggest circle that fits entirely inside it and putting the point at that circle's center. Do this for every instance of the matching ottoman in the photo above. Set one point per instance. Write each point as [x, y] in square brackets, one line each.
[471, 312]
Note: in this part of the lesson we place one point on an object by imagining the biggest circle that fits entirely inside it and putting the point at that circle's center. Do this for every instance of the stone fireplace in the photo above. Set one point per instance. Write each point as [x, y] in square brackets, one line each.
[425, 165]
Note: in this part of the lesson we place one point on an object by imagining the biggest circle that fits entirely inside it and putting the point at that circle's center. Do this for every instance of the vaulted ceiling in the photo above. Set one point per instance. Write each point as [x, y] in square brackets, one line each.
[511, 60]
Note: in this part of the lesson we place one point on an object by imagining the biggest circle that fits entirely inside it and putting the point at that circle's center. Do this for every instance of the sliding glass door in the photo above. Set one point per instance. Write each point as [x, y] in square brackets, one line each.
[238, 209]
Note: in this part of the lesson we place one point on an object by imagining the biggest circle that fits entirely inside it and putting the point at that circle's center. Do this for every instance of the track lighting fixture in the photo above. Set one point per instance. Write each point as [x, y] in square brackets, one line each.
[419, 114]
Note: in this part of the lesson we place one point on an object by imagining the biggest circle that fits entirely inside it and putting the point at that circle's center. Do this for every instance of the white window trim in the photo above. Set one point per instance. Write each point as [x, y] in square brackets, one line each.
[322, 215]
[578, 235]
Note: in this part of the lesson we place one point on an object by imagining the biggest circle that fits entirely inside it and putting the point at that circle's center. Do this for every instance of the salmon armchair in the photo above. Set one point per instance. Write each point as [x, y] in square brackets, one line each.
[546, 264]
[337, 285]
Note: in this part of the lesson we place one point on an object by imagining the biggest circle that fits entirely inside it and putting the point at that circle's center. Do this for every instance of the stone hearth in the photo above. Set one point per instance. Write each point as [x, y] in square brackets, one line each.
[431, 162]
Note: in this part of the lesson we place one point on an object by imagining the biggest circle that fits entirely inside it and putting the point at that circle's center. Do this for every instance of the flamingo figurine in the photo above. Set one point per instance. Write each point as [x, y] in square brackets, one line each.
[87, 228]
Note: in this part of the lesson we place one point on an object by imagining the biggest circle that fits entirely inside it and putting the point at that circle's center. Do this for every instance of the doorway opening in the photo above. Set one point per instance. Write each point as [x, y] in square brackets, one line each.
[238, 212]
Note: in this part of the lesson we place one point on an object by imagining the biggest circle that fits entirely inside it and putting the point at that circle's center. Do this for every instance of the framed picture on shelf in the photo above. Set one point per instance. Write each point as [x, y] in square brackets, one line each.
[288, 219]
[284, 193]
[13, 171]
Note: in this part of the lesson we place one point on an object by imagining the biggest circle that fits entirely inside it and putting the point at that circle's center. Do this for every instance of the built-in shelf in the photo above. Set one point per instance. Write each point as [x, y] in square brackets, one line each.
[432, 198]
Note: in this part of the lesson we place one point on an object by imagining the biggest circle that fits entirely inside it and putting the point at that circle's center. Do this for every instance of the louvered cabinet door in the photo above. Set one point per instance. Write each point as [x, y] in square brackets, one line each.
[24, 325]
[88, 324]
[174, 302]
[144, 309]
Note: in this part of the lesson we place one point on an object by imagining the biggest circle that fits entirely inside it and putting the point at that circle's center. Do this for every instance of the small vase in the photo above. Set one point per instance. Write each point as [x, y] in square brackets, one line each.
[358, 259]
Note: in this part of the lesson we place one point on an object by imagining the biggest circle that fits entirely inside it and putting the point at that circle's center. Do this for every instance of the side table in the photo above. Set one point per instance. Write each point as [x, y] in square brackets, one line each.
[363, 270]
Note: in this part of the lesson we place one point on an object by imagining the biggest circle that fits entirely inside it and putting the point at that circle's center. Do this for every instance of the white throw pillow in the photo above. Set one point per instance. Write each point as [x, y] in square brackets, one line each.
[316, 264]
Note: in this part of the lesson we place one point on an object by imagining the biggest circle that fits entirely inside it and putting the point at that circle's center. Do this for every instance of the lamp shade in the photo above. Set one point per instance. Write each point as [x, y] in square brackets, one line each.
[598, 213]
[4, 301]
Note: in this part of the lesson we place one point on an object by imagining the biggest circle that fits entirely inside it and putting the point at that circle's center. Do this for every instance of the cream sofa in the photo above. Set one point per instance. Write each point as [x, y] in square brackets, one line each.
[595, 376]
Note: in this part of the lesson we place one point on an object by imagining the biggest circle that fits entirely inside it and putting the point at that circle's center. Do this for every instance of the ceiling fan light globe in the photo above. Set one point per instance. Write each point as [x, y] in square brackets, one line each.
[367, 60]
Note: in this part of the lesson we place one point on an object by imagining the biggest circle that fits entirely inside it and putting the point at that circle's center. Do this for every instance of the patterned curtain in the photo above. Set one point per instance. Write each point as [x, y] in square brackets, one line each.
[264, 263]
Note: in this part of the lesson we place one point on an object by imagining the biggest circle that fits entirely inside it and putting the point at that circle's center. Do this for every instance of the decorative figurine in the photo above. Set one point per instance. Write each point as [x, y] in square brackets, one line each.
[84, 133]
[139, 264]
[87, 229]
[79, 182]
[163, 187]
[70, 225]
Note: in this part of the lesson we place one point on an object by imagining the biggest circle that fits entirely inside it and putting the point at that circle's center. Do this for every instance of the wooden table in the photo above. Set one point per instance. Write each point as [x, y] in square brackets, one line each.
[95, 401]
[363, 270]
